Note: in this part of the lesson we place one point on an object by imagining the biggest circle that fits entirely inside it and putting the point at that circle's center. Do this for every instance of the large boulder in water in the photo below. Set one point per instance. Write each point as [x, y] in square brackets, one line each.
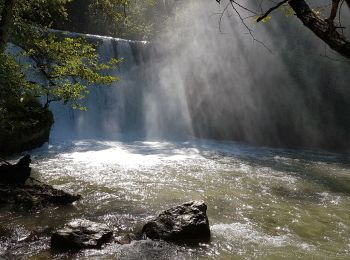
[81, 234]
[186, 223]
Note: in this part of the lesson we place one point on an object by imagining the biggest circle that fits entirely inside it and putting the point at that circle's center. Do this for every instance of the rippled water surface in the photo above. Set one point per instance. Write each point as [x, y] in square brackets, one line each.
[263, 203]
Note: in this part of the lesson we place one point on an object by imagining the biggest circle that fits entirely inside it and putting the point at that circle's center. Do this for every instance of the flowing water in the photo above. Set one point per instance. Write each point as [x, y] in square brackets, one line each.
[263, 203]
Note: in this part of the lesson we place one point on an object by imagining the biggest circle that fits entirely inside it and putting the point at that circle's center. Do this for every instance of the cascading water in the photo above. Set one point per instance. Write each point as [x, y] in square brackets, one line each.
[111, 110]
[278, 91]
[196, 81]
[138, 105]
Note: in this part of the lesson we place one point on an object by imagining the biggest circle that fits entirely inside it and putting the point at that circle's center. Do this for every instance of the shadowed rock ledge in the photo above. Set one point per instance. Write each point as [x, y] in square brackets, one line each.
[23, 127]
[15, 191]
[34, 196]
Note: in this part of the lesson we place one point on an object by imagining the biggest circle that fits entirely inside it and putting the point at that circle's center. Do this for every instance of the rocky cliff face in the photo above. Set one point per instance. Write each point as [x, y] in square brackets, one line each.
[24, 126]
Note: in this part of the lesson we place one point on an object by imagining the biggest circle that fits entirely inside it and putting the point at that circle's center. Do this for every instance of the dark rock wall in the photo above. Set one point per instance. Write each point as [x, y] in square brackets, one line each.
[26, 127]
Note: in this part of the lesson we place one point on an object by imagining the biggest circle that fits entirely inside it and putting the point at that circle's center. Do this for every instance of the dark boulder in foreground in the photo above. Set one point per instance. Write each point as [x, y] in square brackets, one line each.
[186, 223]
[34, 196]
[17, 173]
[13, 189]
[81, 234]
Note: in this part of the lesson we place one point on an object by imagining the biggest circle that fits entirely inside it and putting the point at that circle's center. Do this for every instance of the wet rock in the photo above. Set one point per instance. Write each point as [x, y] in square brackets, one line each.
[34, 196]
[81, 234]
[125, 239]
[182, 224]
[17, 173]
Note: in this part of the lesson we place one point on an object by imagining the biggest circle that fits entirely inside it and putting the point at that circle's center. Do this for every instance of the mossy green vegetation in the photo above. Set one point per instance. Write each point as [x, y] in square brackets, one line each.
[131, 19]
[24, 122]
[69, 66]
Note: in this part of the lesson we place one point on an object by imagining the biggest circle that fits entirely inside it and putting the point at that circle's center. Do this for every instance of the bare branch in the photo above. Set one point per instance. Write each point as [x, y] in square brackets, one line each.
[333, 14]
[271, 10]
[339, 15]
[243, 7]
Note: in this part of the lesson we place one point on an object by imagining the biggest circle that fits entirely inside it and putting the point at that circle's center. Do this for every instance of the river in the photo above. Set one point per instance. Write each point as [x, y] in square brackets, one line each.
[263, 203]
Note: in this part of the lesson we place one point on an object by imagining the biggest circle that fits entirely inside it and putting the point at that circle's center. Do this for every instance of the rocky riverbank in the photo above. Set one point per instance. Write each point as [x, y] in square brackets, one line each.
[34, 196]
[19, 189]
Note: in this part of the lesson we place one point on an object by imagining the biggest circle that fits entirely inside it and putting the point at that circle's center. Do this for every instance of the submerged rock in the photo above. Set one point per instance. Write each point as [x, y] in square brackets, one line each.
[34, 195]
[183, 224]
[80, 234]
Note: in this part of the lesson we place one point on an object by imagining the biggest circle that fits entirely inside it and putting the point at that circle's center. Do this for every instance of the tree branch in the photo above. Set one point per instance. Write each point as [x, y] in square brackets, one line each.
[333, 14]
[321, 28]
[271, 10]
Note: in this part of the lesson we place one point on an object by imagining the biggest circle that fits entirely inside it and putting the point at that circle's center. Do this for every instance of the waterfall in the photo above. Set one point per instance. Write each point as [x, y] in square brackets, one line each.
[111, 110]
[276, 90]
[132, 106]
[197, 82]
[140, 105]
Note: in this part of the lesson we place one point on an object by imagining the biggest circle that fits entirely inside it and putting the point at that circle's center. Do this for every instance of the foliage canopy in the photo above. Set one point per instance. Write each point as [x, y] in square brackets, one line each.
[69, 65]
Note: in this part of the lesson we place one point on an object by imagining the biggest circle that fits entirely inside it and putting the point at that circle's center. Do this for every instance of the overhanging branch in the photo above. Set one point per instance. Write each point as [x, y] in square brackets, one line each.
[271, 10]
[321, 28]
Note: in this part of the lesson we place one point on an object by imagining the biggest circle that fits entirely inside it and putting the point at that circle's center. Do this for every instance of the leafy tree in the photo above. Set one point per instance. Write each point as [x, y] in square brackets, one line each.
[21, 115]
[7, 9]
[13, 85]
[132, 19]
[18, 16]
[125, 18]
[69, 65]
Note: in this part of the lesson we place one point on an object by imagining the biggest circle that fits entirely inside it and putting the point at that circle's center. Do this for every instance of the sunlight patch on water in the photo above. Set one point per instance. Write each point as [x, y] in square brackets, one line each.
[262, 203]
[115, 156]
[127, 157]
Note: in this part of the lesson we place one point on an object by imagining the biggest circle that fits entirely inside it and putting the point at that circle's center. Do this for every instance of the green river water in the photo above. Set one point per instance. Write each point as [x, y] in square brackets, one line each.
[263, 203]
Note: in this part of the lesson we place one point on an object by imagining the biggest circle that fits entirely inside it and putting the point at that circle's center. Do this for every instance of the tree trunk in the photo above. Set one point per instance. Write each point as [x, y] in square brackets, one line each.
[5, 23]
[321, 28]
